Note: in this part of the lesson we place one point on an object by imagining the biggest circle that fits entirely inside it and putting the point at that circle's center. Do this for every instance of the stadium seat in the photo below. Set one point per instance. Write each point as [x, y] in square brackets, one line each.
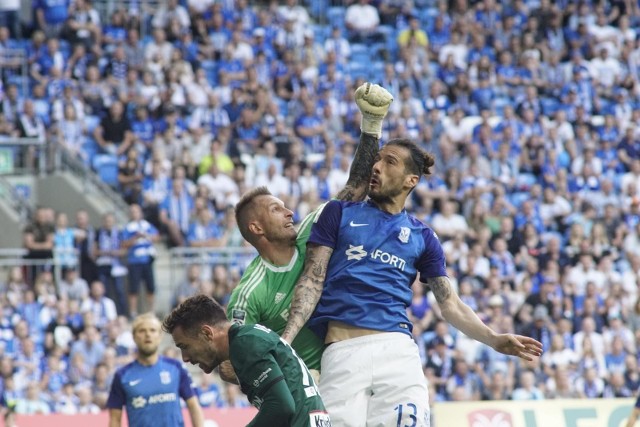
[335, 16]
[106, 166]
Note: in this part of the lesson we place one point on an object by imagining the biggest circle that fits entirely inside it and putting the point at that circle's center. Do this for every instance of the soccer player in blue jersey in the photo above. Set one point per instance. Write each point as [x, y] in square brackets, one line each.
[362, 258]
[151, 386]
[635, 413]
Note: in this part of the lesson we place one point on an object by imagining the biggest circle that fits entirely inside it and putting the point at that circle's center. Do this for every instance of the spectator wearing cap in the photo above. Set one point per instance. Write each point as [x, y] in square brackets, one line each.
[440, 363]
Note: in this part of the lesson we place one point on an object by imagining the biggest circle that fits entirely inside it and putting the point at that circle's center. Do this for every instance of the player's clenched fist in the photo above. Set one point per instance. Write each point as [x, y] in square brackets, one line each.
[373, 102]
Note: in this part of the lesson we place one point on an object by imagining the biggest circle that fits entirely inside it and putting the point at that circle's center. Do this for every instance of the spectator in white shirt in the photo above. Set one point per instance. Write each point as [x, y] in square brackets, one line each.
[159, 49]
[222, 189]
[172, 10]
[102, 307]
[362, 21]
[605, 69]
[457, 48]
[292, 11]
[339, 45]
[447, 223]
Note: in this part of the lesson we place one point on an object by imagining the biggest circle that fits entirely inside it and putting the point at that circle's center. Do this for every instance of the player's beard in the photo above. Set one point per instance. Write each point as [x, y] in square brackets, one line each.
[384, 196]
[148, 351]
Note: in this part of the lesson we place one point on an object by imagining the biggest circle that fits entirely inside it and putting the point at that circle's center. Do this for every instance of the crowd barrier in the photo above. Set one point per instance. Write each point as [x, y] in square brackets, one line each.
[213, 418]
[540, 413]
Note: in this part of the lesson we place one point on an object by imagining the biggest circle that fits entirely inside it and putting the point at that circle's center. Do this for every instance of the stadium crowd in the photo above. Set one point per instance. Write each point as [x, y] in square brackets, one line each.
[531, 108]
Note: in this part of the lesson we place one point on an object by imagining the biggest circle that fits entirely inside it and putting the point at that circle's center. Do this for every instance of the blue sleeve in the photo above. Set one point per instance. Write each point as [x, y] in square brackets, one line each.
[432, 262]
[186, 391]
[325, 231]
[117, 398]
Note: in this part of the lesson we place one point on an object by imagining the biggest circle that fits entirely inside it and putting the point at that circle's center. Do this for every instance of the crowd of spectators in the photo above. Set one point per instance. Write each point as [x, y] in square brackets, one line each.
[531, 108]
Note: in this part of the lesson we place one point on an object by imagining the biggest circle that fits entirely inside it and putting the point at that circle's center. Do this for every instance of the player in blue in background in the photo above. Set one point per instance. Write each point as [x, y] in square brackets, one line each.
[635, 413]
[151, 386]
[367, 255]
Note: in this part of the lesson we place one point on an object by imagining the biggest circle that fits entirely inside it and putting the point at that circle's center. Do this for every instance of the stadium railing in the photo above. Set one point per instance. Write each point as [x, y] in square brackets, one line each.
[15, 257]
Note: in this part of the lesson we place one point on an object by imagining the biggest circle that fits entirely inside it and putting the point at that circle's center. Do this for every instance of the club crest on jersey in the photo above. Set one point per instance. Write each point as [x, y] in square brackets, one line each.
[404, 234]
[165, 377]
[279, 297]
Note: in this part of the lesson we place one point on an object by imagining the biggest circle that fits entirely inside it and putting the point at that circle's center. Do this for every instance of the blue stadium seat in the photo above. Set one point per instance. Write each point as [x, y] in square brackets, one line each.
[335, 16]
[91, 122]
[106, 166]
[358, 69]
[377, 71]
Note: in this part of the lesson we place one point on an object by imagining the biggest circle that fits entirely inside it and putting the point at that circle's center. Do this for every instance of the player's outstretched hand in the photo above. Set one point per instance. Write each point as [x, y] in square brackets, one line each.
[518, 345]
[373, 102]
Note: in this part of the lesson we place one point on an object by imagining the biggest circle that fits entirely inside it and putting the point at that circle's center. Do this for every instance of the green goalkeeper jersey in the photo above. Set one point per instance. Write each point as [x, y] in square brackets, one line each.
[262, 360]
[264, 296]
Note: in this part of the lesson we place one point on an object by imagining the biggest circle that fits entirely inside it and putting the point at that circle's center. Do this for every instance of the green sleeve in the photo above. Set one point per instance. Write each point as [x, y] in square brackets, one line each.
[243, 311]
[277, 407]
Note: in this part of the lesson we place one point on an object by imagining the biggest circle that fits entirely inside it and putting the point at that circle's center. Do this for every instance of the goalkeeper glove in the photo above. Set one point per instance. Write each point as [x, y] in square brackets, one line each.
[373, 102]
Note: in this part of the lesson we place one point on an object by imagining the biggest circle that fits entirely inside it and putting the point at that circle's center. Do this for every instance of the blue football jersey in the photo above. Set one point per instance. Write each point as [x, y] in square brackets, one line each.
[151, 394]
[375, 259]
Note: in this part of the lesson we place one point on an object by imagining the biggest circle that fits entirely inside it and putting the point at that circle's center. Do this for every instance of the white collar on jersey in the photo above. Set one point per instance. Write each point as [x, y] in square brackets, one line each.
[284, 268]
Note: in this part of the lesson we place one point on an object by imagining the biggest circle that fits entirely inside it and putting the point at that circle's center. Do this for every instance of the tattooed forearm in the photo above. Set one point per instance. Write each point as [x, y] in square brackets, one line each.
[308, 289]
[357, 185]
[440, 287]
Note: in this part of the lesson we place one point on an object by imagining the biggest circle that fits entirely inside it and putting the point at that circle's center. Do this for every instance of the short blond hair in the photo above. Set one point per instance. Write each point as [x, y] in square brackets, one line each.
[142, 318]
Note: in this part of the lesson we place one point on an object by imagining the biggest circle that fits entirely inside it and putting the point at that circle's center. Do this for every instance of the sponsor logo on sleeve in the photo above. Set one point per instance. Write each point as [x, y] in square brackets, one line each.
[238, 316]
[319, 419]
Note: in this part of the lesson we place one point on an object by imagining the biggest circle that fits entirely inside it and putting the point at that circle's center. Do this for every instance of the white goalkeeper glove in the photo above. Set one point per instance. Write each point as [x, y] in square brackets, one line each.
[373, 102]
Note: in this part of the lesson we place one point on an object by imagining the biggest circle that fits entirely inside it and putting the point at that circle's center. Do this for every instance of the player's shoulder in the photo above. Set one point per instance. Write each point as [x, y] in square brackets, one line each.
[255, 336]
[254, 274]
[124, 370]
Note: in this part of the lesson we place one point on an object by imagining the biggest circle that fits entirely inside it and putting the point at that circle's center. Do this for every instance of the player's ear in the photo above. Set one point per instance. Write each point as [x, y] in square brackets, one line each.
[411, 181]
[255, 228]
[207, 331]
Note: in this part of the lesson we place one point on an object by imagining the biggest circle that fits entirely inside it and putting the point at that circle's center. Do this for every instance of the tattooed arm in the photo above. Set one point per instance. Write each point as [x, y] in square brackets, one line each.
[308, 289]
[373, 101]
[456, 312]
[357, 185]
[463, 318]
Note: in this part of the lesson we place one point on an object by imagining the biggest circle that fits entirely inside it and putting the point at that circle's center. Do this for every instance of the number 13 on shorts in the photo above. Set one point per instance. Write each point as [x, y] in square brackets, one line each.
[407, 415]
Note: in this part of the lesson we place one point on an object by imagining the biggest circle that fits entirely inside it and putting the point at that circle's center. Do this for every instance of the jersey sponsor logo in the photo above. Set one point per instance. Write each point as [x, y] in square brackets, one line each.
[237, 316]
[134, 382]
[387, 258]
[279, 297]
[319, 419]
[165, 377]
[404, 234]
[140, 402]
[355, 253]
[354, 224]
[263, 376]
